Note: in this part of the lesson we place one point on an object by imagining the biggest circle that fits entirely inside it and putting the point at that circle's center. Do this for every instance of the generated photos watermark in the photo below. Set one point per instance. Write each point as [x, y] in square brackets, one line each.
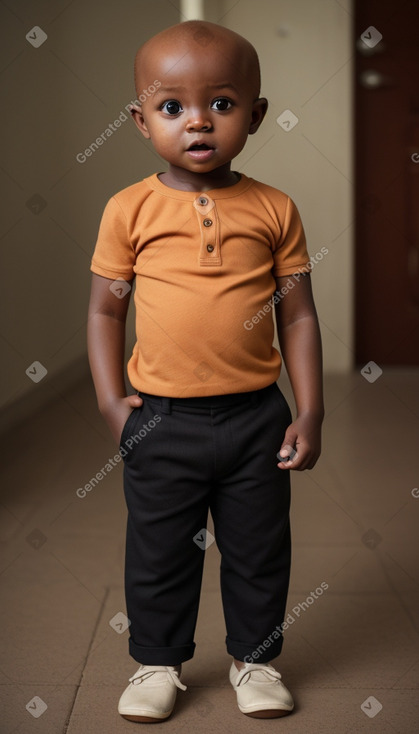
[371, 706]
[129, 443]
[203, 539]
[113, 126]
[295, 613]
[277, 297]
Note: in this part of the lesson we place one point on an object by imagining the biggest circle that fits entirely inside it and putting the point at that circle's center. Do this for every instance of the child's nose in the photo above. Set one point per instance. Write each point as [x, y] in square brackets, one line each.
[198, 122]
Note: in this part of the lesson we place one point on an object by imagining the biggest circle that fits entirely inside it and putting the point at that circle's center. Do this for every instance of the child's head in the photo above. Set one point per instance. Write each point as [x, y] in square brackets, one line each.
[208, 83]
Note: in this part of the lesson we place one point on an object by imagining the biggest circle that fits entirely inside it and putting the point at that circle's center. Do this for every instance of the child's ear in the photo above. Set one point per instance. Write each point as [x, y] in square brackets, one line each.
[137, 115]
[259, 109]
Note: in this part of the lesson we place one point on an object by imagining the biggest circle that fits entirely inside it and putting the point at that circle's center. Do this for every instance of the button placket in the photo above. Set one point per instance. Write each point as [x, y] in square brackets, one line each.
[208, 222]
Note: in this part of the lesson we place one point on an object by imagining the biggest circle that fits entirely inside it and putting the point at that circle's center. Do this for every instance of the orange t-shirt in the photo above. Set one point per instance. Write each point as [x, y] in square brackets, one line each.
[204, 264]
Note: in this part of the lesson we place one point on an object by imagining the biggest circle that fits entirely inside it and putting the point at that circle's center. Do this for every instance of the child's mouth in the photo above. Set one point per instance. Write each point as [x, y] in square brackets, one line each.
[200, 152]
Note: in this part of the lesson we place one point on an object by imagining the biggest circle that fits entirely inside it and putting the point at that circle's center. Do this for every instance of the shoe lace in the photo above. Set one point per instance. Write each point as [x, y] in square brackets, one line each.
[245, 673]
[148, 670]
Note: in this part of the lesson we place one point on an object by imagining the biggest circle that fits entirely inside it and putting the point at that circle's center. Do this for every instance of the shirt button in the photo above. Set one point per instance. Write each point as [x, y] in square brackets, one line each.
[202, 200]
[207, 222]
[210, 248]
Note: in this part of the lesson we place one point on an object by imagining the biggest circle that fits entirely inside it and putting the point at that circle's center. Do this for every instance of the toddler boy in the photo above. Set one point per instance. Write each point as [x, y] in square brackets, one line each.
[208, 247]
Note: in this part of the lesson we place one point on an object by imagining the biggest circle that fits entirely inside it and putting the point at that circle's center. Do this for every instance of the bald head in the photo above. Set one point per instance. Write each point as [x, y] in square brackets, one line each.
[202, 40]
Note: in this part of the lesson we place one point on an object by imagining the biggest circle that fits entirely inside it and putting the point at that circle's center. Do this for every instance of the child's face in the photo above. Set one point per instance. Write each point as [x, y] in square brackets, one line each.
[205, 98]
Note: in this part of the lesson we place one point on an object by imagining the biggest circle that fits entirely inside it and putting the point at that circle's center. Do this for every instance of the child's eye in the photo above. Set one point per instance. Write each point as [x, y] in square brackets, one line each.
[221, 104]
[172, 107]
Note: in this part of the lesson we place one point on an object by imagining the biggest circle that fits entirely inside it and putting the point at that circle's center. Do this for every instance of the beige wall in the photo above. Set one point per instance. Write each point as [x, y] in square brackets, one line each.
[60, 97]
[57, 99]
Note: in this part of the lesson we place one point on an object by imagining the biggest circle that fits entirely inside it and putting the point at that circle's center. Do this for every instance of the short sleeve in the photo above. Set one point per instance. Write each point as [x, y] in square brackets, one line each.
[114, 256]
[290, 254]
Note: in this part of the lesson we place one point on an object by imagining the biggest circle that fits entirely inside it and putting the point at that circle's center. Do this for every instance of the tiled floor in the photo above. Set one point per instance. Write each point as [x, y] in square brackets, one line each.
[355, 527]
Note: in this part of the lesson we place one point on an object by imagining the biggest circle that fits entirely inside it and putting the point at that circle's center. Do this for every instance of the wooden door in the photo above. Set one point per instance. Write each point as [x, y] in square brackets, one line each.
[387, 181]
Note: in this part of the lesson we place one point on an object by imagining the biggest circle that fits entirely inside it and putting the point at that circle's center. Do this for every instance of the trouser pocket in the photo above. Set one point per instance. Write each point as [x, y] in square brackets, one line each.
[129, 427]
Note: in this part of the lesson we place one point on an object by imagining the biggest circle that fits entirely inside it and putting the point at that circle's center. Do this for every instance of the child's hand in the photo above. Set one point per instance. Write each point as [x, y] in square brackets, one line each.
[116, 413]
[302, 442]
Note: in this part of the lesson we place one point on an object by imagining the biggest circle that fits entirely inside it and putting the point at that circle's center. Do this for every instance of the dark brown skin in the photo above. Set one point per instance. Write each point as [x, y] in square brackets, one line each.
[202, 73]
[105, 343]
[300, 344]
[176, 59]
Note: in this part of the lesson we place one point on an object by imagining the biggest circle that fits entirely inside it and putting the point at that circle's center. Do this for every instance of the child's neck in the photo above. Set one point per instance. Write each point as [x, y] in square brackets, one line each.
[184, 180]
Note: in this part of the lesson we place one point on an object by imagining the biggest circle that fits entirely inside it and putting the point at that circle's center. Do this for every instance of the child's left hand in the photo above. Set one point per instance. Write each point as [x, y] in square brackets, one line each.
[302, 442]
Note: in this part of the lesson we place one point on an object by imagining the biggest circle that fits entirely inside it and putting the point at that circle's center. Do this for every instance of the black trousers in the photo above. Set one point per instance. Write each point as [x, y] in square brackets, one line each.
[183, 457]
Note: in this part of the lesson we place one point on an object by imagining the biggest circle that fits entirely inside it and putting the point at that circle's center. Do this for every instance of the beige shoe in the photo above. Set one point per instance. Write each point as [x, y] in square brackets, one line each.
[260, 691]
[151, 694]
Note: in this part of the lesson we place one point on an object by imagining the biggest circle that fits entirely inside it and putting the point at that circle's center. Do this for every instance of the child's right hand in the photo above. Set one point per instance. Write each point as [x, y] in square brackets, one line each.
[117, 411]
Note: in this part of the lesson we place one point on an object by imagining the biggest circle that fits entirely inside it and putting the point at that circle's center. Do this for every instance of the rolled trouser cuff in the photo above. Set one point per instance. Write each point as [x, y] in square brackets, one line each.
[160, 655]
[258, 653]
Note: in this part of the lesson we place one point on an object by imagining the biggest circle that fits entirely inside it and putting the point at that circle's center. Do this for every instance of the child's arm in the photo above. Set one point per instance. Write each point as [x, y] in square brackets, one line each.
[300, 344]
[105, 344]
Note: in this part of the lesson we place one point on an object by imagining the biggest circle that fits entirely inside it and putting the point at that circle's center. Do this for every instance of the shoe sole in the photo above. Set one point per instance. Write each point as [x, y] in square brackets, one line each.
[145, 719]
[267, 713]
